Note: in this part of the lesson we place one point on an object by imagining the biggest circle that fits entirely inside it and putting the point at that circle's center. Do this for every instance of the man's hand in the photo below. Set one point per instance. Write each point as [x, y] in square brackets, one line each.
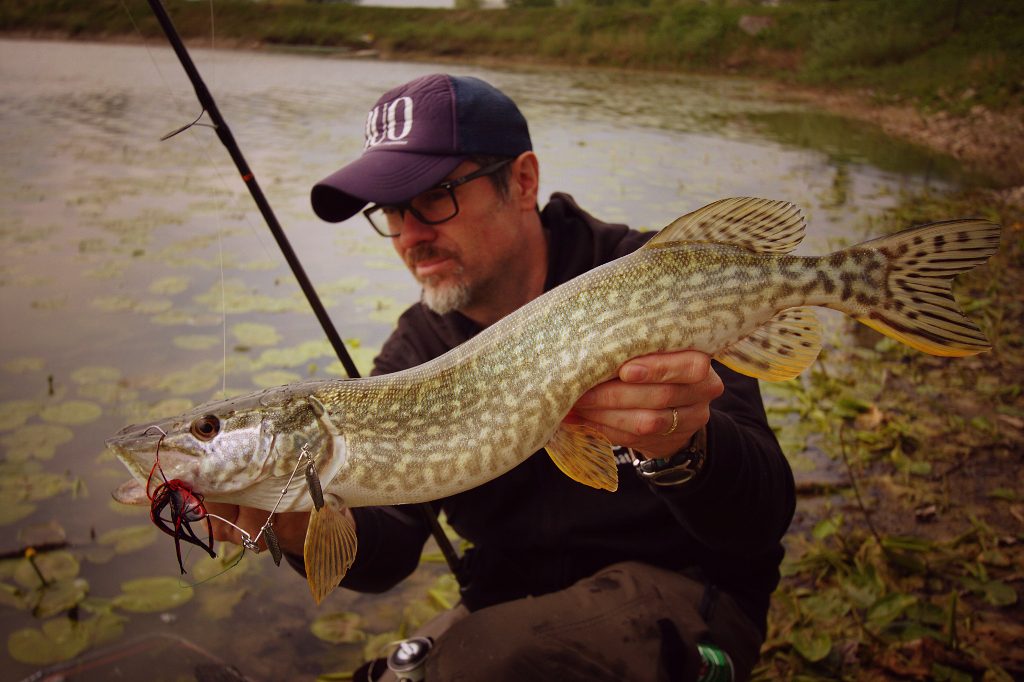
[636, 409]
[289, 527]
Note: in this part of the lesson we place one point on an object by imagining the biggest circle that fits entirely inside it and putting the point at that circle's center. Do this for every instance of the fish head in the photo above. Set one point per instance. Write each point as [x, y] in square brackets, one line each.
[242, 450]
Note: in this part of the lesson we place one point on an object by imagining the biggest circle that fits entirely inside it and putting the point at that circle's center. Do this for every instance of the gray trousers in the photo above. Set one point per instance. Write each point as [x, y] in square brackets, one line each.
[630, 621]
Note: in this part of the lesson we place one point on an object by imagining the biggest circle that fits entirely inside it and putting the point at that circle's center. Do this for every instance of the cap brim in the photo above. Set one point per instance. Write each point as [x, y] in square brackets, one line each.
[379, 177]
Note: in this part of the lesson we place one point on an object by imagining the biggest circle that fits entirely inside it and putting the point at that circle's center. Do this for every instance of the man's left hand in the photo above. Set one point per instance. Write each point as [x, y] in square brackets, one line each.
[635, 409]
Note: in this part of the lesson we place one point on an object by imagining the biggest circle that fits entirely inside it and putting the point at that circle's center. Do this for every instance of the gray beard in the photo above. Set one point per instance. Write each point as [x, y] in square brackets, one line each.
[447, 297]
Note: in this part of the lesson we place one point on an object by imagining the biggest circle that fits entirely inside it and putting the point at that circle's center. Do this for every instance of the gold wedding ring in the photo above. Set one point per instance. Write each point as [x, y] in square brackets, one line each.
[675, 423]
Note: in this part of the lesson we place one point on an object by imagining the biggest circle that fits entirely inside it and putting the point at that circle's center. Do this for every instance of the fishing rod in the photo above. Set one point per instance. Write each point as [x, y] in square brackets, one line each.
[249, 178]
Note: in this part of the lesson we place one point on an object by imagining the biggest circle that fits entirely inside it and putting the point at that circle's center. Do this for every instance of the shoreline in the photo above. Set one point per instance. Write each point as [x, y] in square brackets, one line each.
[985, 141]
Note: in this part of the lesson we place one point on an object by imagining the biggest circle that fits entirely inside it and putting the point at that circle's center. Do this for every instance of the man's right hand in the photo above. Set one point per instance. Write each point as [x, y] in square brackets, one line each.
[289, 527]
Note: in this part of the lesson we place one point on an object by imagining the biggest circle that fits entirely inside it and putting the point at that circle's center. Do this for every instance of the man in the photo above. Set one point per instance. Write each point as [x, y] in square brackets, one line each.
[565, 582]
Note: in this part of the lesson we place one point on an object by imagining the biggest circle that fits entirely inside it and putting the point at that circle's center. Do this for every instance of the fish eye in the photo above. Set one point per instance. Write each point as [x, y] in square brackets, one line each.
[205, 428]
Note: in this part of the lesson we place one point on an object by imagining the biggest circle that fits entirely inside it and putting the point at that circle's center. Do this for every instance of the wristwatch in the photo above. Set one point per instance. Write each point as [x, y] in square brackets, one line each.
[680, 468]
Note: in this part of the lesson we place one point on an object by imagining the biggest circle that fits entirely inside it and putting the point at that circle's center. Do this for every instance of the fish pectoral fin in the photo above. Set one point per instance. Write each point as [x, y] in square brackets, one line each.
[585, 456]
[330, 547]
[760, 225]
[780, 349]
[130, 492]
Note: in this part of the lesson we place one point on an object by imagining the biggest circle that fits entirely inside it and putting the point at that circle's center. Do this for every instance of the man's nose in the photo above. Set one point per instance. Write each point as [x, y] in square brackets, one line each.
[414, 231]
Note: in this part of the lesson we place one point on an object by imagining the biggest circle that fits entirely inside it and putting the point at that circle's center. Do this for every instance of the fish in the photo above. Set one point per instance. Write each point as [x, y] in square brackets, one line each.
[722, 280]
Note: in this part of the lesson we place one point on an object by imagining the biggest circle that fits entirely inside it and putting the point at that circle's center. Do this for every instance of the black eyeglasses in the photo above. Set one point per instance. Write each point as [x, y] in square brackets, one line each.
[432, 207]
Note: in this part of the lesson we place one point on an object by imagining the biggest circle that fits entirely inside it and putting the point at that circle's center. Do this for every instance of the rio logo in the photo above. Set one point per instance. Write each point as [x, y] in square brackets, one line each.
[389, 123]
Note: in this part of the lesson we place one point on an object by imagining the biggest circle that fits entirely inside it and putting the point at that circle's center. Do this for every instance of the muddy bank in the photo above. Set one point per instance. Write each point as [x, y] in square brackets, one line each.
[989, 142]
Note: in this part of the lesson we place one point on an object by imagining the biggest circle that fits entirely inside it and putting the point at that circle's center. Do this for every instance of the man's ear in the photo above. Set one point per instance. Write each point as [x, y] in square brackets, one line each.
[525, 181]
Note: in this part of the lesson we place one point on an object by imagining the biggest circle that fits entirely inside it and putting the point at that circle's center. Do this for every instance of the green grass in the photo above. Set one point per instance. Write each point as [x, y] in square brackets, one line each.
[950, 54]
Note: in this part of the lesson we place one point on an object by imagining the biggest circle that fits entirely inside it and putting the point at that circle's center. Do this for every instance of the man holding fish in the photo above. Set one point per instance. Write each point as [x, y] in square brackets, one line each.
[651, 581]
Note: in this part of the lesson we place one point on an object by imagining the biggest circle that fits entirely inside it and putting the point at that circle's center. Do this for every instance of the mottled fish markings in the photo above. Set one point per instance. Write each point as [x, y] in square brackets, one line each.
[721, 280]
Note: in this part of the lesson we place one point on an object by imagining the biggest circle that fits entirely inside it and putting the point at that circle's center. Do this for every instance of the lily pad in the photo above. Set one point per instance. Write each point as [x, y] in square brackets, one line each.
[220, 603]
[54, 566]
[275, 378]
[150, 595]
[197, 341]
[24, 364]
[130, 538]
[61, 639]
[338, 628]
[173, 284]
[31, 486]
[201, 377]
[14, 413]
[12, 512]
[253, 334]
[72, 412]
[60, 596]
[96, 373]
[35, 440]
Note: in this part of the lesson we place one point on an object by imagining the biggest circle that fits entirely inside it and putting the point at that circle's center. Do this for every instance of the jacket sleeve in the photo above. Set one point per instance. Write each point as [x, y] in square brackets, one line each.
[743, 500]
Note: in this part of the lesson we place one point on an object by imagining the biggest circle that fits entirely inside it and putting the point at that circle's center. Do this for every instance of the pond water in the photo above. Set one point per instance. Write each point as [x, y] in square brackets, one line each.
[137, 278]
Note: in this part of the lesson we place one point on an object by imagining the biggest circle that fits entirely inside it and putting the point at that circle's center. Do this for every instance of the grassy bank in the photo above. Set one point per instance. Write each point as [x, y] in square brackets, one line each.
[950, 54]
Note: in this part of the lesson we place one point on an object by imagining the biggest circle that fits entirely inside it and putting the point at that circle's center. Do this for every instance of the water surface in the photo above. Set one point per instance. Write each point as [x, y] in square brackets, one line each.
[136, 277]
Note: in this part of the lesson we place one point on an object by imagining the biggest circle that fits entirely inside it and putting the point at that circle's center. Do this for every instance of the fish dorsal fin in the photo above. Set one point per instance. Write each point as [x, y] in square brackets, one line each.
[760, 225]
[585, 456]
[330, 547]
[779, 349]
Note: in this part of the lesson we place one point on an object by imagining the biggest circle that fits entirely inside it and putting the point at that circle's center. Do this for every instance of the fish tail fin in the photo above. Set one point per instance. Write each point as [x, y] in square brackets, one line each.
[918, 307]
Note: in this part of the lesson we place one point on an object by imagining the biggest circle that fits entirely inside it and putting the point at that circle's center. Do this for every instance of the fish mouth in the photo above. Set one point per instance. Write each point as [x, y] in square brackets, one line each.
[136, 446]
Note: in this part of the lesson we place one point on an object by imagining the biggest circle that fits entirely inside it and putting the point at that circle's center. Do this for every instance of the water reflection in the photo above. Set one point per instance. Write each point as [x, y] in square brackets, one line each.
[127, 264]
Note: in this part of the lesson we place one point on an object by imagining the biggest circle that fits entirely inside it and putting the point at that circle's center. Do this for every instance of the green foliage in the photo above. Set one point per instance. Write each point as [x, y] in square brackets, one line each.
[949, 53]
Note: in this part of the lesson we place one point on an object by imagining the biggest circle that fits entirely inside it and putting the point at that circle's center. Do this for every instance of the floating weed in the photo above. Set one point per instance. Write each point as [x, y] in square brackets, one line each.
[236, 296]
[151, 595]
[197, 341]
[254, 334]
[35, 440]
[72, 412]
[170, 285]
[114, 303]
[24, 364]
[12, 512]
[340, 627]
[169, 406]
[257, 265]
[14, 413]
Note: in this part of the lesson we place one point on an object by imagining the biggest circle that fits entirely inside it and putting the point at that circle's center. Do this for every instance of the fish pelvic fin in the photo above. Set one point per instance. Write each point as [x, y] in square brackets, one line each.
[918, 307]
[759, 225]
[779, 349]
[585, 456]
[330, 547]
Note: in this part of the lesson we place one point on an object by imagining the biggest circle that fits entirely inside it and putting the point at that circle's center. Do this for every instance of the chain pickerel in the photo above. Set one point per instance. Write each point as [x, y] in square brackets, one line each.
[721, 280]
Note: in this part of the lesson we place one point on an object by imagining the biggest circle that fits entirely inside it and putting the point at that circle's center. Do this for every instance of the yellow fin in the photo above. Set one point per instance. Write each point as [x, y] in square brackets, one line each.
[585, 456]
[760, 225]
[779, 349]
[330, 547]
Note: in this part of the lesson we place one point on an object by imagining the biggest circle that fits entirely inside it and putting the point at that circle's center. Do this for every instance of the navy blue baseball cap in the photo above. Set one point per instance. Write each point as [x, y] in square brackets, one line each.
[418, 133]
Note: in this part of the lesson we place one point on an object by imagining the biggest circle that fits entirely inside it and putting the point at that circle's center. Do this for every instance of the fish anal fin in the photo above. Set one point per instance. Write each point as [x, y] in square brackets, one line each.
[759, 225]
[330, 547]
[780, 349]
[585, 456]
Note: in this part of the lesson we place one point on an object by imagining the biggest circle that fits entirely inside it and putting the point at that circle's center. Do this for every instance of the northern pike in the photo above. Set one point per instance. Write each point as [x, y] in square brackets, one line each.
[721, 280]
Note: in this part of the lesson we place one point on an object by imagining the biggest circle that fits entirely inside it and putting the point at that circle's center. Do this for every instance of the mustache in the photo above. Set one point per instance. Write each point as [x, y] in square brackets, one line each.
[422, 252]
